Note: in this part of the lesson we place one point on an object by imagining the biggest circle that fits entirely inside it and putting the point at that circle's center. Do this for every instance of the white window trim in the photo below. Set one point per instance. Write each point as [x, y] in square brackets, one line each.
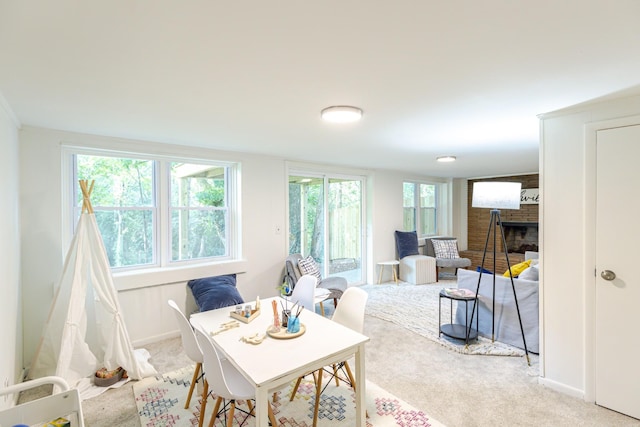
[440, 192]
[175, 271]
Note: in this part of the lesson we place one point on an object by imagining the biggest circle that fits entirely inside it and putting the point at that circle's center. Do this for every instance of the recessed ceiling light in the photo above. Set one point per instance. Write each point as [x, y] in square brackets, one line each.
[446, 159]
[341, 114]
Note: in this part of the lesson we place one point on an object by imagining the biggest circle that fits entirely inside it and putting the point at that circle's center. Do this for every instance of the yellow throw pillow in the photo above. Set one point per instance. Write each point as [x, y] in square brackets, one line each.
[518, 268]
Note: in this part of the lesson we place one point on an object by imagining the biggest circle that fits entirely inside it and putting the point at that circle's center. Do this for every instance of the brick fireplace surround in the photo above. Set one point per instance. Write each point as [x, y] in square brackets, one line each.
[478, 225]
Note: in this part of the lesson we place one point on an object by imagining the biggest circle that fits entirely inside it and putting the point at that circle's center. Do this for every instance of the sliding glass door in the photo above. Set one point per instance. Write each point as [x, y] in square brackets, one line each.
[326, 222]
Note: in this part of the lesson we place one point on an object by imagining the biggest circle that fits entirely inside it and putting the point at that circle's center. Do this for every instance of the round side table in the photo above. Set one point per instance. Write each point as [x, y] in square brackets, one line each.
[392, 264]
[461, 332]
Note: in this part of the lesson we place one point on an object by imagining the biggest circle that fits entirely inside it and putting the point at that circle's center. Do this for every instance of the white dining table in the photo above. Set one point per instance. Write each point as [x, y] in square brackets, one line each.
[276, 362]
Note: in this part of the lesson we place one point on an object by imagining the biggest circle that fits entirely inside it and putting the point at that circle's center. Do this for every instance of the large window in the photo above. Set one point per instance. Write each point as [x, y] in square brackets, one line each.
[124, 203]
[420, 208]
[199, 211]
[154, 212]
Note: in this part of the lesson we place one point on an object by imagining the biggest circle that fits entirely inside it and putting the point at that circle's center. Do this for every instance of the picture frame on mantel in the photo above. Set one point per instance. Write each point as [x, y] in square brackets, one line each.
[529, 196]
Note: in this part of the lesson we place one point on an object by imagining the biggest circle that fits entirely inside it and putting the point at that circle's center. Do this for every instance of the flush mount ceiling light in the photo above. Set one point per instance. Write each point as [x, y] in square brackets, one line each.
[341, 114]
[446, 159]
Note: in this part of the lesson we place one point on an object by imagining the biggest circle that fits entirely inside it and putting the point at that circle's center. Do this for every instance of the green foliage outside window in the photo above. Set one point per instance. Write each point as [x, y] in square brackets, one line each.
[306, 217]
[124, 199]
[123, 202]
[198, 211]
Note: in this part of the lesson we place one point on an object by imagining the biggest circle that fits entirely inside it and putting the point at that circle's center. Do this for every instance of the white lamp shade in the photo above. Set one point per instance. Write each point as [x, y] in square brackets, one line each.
[496, 195]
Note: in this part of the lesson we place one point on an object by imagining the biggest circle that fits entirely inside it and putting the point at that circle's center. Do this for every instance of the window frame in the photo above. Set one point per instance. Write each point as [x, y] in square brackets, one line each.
[417, 205]
[326, 174]
[226, 209]
[162, 224]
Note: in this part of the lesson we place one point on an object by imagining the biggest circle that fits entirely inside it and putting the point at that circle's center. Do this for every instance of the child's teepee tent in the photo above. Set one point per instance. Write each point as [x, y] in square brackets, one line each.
[85, 330]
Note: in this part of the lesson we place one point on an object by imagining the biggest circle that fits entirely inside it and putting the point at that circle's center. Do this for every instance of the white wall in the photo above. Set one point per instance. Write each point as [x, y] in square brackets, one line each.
[567, 260]
[11, 312]
[459, 212]
[263, 207]
[386, 212]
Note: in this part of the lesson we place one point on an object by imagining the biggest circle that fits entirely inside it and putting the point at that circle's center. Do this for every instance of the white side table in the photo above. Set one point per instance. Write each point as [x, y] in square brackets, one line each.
[392, 264]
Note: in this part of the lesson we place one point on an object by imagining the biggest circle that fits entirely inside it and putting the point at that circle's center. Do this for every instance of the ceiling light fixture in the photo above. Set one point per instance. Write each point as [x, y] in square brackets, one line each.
[446, 159]
[341, 114]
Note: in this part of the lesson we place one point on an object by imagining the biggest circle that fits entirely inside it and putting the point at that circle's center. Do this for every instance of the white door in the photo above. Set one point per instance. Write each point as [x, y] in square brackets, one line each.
[618, 299]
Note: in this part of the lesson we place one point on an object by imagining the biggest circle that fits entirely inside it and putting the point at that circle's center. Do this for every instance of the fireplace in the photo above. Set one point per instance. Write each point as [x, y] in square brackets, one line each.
[521, 236]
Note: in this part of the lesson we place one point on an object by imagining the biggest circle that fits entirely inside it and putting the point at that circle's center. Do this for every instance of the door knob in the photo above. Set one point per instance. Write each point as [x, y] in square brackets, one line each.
[608, 275]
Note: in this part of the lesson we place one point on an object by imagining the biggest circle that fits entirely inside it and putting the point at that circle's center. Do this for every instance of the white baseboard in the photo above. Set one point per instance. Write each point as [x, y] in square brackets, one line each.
[155, 338]
[562, 388]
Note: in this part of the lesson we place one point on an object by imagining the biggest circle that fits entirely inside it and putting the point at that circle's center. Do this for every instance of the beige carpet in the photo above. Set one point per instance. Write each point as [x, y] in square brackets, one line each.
[455, 389]
[415, 307]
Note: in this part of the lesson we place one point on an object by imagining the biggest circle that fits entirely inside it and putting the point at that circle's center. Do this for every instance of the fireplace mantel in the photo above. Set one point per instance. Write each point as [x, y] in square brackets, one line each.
[519, 224]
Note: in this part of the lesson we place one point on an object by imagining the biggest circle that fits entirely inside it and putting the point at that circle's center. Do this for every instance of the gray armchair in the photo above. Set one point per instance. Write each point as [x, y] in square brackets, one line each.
[337, 285]
[452, 259]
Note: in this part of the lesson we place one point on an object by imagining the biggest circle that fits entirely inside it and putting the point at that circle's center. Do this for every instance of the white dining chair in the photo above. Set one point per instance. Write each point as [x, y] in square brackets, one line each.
[349, 313]
[223, 380]
[190, 346]
[304, 292]
[307, 293]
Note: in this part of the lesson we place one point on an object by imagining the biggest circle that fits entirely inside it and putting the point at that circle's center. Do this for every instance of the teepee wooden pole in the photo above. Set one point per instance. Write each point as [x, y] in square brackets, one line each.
[86, 195]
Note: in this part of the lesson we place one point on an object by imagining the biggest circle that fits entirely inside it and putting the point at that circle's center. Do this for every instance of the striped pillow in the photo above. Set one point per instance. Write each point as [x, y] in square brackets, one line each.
[447, 249]
[309, 265]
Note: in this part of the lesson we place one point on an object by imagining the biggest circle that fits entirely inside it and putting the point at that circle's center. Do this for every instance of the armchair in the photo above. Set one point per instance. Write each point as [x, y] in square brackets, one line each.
[336, 285]
[445, 251]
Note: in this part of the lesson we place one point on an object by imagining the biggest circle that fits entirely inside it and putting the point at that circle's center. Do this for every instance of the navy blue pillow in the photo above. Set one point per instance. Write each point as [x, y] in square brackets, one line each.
[484, 270]
[407, 243]
[215, 292]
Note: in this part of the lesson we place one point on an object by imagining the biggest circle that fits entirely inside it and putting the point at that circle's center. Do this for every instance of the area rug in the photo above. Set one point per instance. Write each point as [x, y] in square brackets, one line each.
[160, 402]
[415, 307]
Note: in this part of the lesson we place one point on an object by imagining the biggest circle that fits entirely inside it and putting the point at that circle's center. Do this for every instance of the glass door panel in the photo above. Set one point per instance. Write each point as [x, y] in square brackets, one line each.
[332, 236]
[345, 228]
[306, 217]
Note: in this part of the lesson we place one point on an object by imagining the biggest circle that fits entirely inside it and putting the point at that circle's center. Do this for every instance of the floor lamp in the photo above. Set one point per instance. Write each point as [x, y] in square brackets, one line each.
[495, 196]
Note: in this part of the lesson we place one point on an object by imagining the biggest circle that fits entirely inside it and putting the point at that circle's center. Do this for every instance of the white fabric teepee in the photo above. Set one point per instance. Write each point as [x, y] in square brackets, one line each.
[85, 330]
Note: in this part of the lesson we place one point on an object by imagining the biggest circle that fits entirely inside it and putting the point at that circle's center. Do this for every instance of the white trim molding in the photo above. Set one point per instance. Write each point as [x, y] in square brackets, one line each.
[7, 108]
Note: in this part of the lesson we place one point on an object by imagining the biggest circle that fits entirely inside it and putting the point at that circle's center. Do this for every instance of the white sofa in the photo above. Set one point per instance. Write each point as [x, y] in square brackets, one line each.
[507, 327]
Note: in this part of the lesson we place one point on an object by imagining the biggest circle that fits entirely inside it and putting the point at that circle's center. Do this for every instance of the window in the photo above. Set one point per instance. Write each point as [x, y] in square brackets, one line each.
[153, 211]
[199, 212]
[420, 208]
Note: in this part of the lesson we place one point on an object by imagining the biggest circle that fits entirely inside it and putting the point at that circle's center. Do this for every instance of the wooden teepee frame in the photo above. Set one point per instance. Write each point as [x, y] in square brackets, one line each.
[87, 189]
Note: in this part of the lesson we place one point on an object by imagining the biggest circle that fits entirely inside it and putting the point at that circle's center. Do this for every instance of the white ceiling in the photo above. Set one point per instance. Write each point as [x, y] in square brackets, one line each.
[459, 77]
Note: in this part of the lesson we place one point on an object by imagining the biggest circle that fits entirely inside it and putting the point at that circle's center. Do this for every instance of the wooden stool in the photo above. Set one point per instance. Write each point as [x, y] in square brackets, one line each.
[392, 264]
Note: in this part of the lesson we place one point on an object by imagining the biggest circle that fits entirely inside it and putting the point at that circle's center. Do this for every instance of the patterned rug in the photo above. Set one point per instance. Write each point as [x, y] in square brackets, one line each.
[160, 403]
[415, 307]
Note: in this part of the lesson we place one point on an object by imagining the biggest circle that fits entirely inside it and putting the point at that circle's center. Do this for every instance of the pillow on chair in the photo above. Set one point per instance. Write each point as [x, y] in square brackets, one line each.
[447, 249]
[309, 266]
[215, 292]
[407, 243]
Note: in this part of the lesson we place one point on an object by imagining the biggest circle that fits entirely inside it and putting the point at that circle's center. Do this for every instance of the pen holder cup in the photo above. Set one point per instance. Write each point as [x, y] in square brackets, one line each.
[294, 325]
[285, 318]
